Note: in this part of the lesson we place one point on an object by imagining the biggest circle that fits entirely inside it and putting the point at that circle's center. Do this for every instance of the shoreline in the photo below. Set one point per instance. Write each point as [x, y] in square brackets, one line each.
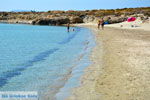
[120, 66]
[86, 90]
[78, 70]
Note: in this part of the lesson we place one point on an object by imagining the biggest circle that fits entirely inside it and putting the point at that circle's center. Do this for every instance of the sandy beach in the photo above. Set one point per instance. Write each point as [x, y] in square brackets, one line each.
[121, 65]
[75, 50]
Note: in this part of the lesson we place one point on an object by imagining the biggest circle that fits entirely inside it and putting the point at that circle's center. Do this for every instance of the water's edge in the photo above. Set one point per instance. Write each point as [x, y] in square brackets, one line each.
[77, 71]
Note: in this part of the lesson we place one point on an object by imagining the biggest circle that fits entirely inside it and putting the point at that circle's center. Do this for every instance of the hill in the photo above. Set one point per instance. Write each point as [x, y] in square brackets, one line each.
[62, 17]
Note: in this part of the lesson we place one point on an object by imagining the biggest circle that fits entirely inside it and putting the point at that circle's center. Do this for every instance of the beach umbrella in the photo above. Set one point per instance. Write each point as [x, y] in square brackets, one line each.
[131, 19]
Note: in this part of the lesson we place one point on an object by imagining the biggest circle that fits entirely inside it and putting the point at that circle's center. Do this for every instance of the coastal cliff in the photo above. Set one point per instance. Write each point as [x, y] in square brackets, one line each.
[64, 17]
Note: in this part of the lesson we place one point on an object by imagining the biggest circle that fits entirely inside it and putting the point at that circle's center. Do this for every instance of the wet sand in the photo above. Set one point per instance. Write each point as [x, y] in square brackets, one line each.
[121, 66]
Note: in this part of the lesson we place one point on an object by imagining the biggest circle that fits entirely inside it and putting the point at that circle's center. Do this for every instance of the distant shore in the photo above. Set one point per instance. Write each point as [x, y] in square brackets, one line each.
[120, 69]
[59, 17]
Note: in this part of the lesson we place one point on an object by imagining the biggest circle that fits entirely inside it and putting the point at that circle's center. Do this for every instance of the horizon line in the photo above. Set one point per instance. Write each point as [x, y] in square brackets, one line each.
[20, 10]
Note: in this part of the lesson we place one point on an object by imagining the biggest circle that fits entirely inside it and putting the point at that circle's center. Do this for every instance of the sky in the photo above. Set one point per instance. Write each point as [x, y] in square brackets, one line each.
[46, 5]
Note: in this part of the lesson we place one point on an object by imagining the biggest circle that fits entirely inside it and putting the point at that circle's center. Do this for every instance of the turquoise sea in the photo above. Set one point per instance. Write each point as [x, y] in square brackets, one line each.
[46, 59]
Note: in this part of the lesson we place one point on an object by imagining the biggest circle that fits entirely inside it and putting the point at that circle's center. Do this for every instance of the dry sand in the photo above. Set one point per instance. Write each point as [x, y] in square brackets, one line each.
[121, 66]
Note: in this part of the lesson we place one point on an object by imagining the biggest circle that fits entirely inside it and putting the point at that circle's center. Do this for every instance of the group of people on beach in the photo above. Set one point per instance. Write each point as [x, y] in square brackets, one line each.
[101, 23]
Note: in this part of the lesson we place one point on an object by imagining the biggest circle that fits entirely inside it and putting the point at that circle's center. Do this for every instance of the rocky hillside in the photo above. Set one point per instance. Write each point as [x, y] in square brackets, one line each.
[63, 17]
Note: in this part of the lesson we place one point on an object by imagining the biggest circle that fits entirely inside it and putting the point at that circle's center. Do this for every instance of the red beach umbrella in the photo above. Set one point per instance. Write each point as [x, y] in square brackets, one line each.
[131, 19]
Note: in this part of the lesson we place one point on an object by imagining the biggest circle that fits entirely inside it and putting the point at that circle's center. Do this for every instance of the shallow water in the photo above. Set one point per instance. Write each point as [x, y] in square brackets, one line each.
[46, 59]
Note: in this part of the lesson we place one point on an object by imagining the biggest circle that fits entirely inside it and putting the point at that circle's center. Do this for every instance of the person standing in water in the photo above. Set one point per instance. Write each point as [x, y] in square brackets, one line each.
[68, 27]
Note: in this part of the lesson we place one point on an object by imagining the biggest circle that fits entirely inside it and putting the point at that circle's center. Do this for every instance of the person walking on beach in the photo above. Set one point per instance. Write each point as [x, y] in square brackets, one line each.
[99, 23]
[68, 27]
[102, 23]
